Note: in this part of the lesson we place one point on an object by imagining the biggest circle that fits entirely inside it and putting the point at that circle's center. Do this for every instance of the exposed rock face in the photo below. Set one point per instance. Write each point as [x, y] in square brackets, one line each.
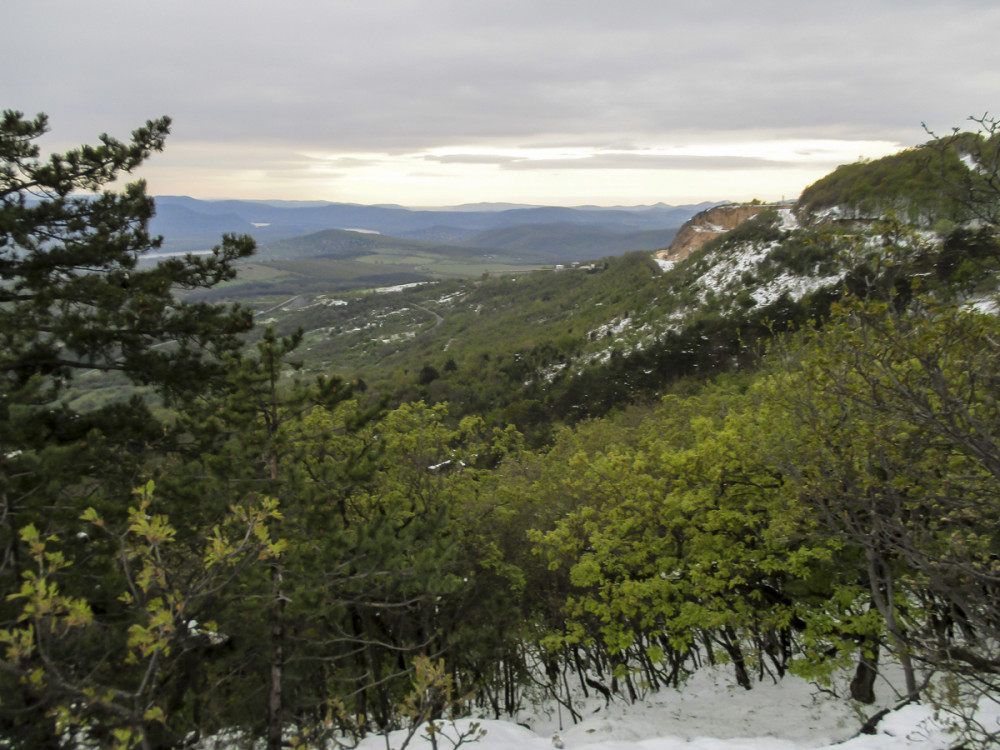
[708, 225]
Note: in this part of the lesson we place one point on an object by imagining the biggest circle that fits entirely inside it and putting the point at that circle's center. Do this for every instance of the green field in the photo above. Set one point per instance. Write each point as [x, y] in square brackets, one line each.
[260, 282]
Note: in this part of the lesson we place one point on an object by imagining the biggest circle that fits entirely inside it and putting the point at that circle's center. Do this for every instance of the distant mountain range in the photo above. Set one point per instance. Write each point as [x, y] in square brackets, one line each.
[550, 232]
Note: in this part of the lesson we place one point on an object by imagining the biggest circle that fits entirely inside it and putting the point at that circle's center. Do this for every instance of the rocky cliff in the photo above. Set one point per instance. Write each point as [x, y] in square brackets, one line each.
[708, 225]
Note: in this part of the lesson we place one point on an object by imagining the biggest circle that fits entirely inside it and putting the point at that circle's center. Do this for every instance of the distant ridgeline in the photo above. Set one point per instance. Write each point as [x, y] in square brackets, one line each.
[560, 234]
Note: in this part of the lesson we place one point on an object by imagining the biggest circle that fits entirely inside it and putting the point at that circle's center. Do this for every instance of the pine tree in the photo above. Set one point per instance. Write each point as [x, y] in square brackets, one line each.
[80, 299]
[75, 299]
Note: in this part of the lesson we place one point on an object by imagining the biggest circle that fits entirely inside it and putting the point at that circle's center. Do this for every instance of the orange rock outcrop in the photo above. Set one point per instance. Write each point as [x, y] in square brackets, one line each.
[708, 225]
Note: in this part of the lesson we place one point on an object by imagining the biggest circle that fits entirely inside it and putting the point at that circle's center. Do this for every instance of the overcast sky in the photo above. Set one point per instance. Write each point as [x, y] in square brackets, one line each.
[562, 102]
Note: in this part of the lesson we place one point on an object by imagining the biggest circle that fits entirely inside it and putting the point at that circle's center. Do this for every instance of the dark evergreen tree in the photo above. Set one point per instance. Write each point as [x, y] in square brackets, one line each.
[79, 297]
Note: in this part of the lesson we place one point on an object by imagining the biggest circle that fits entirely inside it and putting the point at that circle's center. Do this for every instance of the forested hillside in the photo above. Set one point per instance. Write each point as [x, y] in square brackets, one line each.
[298, 520]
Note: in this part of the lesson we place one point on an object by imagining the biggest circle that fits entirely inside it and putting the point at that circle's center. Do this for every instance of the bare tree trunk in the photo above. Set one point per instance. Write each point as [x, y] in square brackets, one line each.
[880, 584]
[863, 683]
[275, 720]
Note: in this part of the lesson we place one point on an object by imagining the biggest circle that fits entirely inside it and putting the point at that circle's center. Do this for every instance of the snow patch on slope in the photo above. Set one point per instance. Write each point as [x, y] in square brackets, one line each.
[788, 219]
[725, 273]
[665, 265]
[795, 286]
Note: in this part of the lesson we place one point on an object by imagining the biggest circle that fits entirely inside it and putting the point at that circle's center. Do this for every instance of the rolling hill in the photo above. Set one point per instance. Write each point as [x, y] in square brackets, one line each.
[189, 224]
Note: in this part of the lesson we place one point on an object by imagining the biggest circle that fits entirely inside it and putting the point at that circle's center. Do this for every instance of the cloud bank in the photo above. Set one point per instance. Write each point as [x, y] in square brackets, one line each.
[437, 100]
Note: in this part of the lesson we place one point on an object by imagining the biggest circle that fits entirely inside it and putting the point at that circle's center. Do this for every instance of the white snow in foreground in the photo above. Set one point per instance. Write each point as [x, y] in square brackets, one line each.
[708, 713]
[985, 305]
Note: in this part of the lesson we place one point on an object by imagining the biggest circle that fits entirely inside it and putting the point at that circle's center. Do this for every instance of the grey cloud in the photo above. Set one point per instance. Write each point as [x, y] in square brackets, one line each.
[404, 75]
[651, 161]
[346, 162]
[488, 159]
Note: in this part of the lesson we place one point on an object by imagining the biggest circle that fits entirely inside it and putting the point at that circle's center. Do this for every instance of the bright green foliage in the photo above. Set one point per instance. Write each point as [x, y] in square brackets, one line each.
[96, 680]
[898, 453]
[840, 505]
[686, 539]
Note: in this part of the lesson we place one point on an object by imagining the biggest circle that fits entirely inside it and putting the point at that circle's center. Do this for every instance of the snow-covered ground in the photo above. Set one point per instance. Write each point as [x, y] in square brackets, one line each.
[709, 713]
[665, 265]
